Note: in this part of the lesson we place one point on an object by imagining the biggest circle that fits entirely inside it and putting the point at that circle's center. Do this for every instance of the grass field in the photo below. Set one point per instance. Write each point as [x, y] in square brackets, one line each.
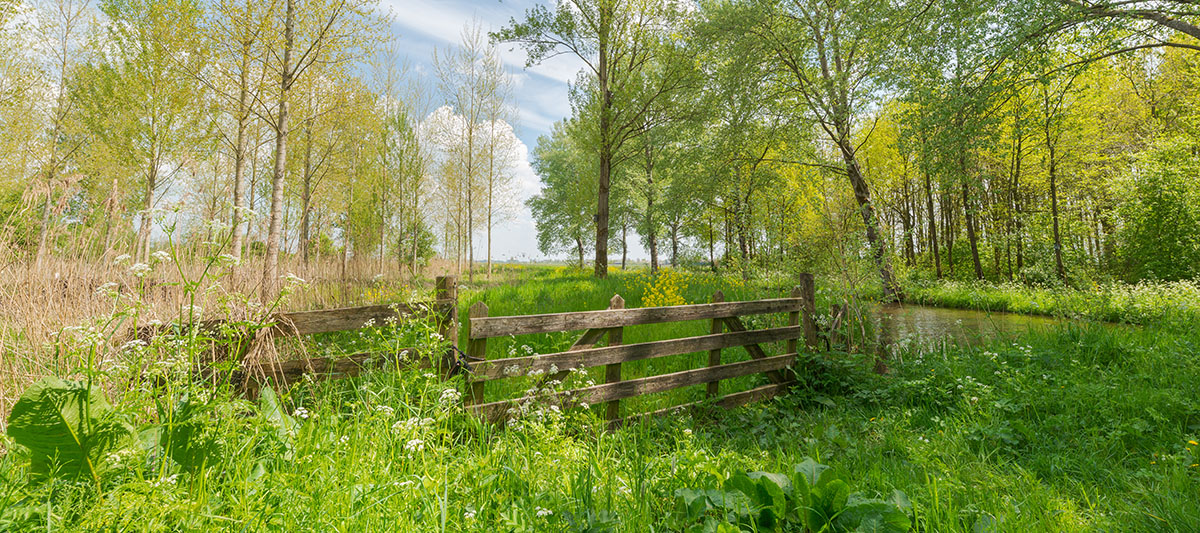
[1081, 427]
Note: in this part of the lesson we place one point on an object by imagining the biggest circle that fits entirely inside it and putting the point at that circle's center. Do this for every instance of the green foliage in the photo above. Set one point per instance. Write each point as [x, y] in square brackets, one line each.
[812, 497]
[69, 428]
[1159, 238]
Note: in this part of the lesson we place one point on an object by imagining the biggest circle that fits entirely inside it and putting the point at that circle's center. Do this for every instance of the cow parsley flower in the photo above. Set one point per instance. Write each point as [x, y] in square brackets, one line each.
[139, 269]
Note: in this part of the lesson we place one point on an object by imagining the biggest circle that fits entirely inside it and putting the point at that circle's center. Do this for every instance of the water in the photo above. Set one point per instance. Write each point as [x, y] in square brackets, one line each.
[895, 322]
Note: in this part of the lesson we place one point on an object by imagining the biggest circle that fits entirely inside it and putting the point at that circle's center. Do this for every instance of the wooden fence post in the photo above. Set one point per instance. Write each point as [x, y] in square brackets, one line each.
[476, 349]
[714, 356]
[446, 300]
[612, 373]
[809, 293]
[794, 320]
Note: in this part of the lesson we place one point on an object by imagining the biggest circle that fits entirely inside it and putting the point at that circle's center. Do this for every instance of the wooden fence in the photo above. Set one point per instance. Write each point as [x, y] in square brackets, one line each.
[443, 309]
[727, 331]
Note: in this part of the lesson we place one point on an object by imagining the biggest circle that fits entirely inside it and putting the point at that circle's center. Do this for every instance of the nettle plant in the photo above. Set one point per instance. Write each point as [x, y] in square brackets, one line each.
[811, 498]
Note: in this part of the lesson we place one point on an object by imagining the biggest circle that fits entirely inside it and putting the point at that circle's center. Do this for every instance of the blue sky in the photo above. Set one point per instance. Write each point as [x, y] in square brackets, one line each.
[540, 92]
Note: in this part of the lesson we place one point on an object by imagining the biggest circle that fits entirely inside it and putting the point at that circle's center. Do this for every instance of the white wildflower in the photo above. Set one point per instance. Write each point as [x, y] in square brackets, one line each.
[121, 259]
[139, 269]
[301, 413]
[109, 289]
[543, 512]
[293, 279]
[414, 445]
[512, 370]
[450, 396]
[469, 515]
[161, 256]
[385, 409]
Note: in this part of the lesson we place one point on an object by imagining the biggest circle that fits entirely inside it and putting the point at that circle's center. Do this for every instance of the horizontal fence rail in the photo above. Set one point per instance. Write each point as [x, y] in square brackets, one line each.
[520, 366]
[485, 327]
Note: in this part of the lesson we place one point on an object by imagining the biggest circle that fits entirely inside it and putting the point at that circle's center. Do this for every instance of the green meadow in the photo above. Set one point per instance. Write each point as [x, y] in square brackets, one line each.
[1078, 427]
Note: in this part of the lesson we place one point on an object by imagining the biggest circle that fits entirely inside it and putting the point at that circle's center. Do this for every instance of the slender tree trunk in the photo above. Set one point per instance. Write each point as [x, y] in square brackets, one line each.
[239, 152]
[624, 244]
[606, 110]
[969, 214]
[863, 195]
[651, 227]
[143, 238]
[933, 240]
[1058, 261]
[270, 282]
[306, 193]
[579, 249]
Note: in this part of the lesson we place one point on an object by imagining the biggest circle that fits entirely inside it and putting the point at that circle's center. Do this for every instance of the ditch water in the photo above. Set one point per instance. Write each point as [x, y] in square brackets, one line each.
[895, 322]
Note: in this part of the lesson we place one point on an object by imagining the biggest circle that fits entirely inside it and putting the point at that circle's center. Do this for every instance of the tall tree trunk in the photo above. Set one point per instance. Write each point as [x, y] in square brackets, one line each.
[579, 249]
[863, 195]
[651, 227]
[606, 110]
[969, 214]
[239, 152]
[143, 238]
[306, 192]
[1058, 261]
[270, 282]
[624, 245]
[933, 240]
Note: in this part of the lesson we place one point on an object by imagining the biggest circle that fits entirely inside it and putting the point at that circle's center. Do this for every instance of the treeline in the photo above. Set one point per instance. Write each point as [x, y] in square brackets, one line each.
[247, 128]
[1006, 140]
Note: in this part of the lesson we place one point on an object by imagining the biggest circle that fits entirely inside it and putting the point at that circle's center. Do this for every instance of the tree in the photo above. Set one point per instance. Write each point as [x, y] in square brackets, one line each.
[236, 31]
[473, 80]
[324, 32]
[832, 55]
[563, 209]
[631, 54]
[162, 118]
[58, 39]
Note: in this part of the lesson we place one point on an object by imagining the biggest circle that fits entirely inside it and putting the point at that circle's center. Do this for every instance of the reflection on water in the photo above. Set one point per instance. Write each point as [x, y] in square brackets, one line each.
[897, 322]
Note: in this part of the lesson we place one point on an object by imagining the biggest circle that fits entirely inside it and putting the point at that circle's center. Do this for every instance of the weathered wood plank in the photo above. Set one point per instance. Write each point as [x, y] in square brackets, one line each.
[714, 355]
[735, 324]
[352, 365]
[614, 318]
[809, 295]
[477, 348]
[347, 318]
[446, 293]
[612, 371]
[729, 401]
[501, 368]
[647, 385]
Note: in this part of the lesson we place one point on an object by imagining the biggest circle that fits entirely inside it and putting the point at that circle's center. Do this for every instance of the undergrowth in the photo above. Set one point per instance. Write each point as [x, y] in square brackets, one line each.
[1072, 428]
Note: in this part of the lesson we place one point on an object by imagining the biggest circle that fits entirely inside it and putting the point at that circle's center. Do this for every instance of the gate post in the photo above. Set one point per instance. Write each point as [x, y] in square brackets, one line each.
[446, 302]
[809, 293]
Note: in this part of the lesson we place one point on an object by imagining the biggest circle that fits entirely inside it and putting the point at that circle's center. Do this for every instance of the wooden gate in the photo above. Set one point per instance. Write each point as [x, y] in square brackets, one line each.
[727, 331]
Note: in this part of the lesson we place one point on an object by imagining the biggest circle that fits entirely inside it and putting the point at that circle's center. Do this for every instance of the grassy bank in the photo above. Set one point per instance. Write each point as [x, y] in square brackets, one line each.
[1078, 428]
[1144, 303]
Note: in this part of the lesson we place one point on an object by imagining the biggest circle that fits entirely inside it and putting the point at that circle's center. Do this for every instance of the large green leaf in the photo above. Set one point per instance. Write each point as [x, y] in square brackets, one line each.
[68, 426]
[187, 436]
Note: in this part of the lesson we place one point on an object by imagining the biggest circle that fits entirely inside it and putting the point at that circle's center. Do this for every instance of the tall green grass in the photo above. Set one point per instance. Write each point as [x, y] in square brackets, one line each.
[1166, 303]
[1073, 428]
